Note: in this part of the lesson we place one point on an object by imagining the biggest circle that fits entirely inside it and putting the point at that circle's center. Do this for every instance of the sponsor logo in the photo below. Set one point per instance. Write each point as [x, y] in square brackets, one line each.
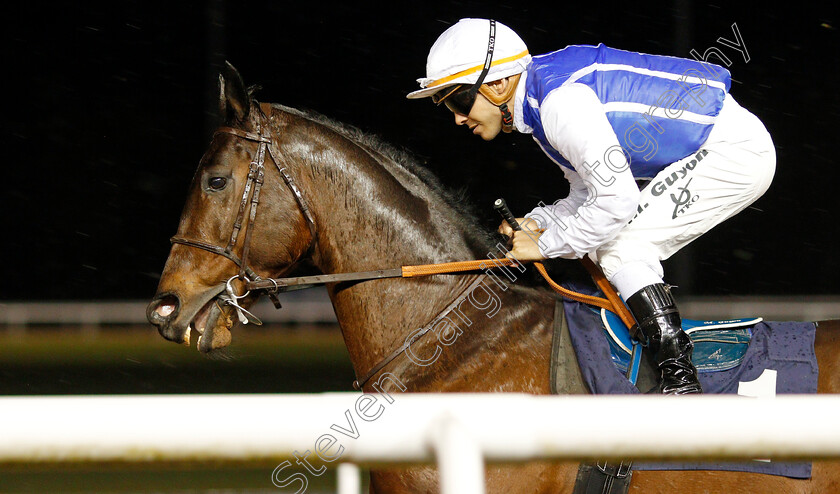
[684, 200]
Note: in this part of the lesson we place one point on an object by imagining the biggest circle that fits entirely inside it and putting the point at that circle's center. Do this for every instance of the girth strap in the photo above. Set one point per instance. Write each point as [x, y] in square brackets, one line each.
[603, 478]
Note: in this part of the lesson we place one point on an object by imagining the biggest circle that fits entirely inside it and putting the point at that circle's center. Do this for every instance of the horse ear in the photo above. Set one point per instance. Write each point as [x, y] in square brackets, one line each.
[234, 101]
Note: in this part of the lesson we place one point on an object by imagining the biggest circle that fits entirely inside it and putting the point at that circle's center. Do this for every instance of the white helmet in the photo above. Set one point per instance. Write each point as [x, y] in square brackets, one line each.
[458, 56]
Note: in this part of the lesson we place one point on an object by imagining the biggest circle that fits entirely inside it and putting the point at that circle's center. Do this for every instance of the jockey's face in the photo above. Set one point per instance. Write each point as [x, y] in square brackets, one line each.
[484, 119]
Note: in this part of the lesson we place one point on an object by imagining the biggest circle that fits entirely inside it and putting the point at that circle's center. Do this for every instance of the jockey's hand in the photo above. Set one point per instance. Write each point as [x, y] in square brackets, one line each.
[525, 242]
[525, 246]
[525, 223]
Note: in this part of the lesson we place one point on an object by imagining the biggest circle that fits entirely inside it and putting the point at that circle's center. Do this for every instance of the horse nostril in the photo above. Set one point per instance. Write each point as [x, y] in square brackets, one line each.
[162, 308]
[165, 309]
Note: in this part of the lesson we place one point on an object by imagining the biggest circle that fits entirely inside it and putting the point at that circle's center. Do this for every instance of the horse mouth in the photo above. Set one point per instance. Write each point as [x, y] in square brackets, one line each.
[212, 323]
[199, 322]
[212, 320]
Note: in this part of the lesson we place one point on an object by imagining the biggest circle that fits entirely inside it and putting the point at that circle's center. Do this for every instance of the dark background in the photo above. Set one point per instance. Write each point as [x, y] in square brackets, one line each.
[109, 107]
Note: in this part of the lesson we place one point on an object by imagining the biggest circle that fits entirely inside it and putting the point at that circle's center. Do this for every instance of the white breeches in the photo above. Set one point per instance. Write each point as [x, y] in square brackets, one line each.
[732, 169]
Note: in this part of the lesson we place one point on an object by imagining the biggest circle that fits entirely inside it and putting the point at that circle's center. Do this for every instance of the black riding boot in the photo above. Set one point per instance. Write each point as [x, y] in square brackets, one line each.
[660, 325]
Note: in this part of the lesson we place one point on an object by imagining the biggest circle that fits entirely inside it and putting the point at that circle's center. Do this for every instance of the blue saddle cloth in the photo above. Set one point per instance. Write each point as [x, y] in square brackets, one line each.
[718, 345]
[747, 349]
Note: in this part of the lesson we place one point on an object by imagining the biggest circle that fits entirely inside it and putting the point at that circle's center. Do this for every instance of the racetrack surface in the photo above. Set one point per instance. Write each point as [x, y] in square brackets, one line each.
[48, 360]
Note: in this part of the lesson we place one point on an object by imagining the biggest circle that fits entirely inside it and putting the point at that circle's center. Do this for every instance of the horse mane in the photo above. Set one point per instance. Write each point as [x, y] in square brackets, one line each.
[458, 200]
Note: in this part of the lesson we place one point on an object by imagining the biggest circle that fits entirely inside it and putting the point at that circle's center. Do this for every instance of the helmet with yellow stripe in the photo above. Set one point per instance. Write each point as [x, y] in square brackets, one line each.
[469, 52]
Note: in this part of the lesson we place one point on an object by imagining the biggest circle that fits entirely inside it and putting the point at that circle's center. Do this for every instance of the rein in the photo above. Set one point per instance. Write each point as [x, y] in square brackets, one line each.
[252, 281]
[286, 284]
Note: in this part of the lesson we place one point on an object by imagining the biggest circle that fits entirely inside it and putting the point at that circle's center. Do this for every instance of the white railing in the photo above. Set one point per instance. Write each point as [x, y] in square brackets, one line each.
[458, 432]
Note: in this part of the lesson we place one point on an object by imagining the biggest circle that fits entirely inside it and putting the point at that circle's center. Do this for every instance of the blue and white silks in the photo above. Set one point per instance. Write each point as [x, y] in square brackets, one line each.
[661, 108]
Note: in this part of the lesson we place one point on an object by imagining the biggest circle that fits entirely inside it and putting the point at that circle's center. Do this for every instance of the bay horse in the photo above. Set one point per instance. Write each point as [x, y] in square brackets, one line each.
[346, 202]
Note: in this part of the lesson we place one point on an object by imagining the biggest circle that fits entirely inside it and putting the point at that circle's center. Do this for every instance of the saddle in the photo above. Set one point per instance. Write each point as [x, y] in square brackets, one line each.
[718, 345]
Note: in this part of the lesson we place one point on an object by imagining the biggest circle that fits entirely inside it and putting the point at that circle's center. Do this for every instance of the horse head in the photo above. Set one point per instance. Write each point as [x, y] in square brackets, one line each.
[216, 248]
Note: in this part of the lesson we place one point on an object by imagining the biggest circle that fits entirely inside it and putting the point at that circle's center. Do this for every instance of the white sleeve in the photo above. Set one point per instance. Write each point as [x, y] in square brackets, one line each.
[603, 196]
[578, 193]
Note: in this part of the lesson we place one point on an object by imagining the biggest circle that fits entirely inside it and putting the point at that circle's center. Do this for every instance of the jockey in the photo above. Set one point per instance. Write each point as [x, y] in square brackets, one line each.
[611, 119]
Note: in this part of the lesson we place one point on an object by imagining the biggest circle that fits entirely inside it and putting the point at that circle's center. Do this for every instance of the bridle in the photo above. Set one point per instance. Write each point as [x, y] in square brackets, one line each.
[253, 185]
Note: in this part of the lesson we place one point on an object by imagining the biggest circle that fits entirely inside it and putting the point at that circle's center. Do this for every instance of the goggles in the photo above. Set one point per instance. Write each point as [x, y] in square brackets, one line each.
[461, 98]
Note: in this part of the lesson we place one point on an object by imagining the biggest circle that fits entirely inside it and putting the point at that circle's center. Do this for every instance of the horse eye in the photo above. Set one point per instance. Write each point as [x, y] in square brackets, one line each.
[217, 183]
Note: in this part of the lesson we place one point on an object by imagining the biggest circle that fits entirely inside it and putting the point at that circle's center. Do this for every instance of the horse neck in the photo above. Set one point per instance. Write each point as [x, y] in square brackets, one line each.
[374, 214]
